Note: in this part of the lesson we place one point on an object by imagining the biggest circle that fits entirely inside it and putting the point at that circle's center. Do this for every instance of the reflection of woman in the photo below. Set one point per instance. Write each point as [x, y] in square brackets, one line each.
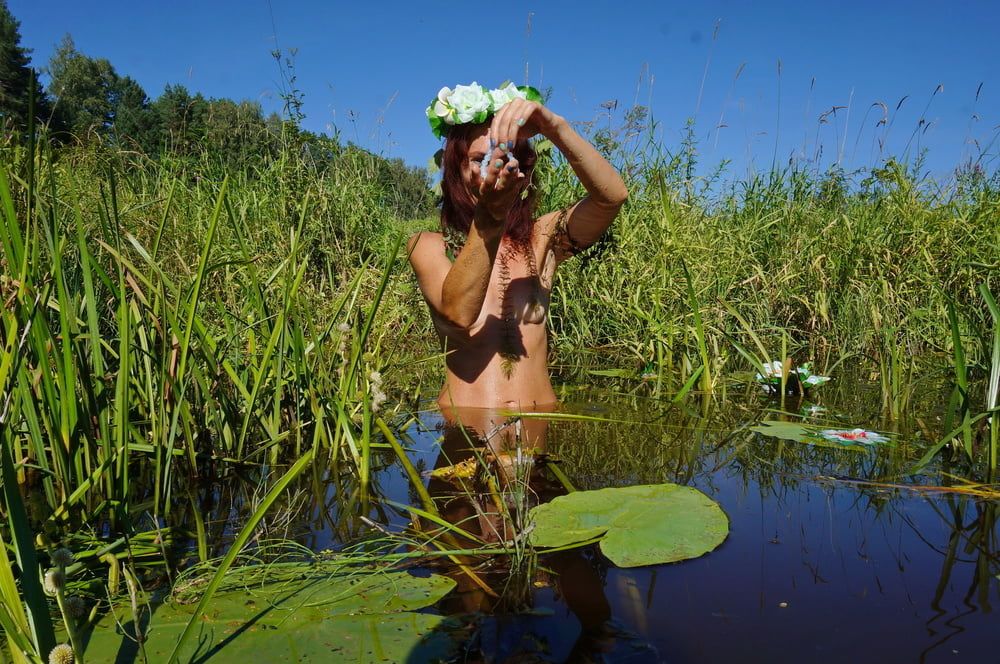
[471, 434]
[490, 304]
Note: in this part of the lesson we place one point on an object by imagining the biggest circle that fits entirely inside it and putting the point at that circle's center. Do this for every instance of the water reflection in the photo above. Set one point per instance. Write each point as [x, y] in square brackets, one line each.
[820, 564]
[490, 472]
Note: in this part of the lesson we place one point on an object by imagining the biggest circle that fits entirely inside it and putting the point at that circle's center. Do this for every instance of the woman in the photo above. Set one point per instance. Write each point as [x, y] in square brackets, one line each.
[487, 280]
[490, 305]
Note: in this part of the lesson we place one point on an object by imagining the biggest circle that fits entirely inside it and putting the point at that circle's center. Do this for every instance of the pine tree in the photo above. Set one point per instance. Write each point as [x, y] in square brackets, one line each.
[16, 86]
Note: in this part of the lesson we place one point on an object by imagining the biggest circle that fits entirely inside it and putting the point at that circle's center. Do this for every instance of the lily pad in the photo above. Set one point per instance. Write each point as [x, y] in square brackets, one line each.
[785, 431]
[349, 617]
[641, 525]
[855, 439]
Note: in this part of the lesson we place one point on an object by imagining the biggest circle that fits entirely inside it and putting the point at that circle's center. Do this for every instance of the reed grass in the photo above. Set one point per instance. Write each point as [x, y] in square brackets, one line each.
[143, 328]
[172, 317]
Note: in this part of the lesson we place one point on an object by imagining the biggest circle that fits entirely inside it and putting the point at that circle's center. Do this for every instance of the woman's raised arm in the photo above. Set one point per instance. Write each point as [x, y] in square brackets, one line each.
[606, 192]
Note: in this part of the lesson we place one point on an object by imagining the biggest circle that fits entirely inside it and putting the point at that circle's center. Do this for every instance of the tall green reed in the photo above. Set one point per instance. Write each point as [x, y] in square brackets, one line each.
[145, 327]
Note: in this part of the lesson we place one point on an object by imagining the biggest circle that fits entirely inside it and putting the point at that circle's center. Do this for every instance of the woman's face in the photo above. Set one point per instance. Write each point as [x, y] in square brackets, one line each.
[479, 145]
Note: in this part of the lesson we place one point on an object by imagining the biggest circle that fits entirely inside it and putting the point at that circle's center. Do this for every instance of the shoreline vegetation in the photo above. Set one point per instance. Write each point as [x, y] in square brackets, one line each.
[238, 299]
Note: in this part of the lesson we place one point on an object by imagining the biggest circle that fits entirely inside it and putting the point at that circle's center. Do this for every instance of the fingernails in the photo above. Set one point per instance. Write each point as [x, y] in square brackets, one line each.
[520, 122]
[503, 147]
[498, 163]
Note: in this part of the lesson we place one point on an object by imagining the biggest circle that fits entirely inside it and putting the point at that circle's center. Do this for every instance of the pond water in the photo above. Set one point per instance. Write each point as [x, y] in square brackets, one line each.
[824, 561]
[833, 554]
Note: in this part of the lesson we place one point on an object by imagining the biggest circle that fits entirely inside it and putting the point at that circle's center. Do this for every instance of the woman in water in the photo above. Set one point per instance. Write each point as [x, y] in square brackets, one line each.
[488, 276]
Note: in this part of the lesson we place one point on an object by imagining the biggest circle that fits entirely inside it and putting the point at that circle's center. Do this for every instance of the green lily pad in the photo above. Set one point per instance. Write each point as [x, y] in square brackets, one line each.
[347, 617]
[801, 433]
[641, 525]
[785, 431]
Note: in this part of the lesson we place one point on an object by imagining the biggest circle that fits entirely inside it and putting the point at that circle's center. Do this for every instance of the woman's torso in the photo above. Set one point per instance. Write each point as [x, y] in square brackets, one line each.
[503, 359]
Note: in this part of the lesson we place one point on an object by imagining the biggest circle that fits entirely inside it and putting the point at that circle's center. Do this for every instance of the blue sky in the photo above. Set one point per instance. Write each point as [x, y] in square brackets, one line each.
[370, 69]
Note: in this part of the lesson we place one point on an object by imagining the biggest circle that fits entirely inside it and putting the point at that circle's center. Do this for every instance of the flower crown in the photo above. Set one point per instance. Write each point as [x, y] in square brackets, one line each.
[473, 103]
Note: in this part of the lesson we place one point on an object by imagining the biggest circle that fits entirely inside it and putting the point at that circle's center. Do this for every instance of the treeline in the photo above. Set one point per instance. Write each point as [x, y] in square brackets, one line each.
[88, 102]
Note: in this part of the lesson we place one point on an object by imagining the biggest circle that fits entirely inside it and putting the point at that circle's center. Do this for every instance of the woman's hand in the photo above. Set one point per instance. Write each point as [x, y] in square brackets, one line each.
[520, 120]
[499, 191]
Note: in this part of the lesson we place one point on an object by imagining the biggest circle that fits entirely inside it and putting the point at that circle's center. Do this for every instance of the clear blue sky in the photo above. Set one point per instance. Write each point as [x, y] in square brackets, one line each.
[370, 68]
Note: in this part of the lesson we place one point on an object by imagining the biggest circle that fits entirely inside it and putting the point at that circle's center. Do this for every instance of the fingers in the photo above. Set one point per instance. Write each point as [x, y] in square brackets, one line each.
[508, 172]
[492, 165]
[508, 121]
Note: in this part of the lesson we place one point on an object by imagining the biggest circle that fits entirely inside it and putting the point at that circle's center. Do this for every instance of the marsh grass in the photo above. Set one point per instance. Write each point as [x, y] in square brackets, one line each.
[150, 330]
[165, 319]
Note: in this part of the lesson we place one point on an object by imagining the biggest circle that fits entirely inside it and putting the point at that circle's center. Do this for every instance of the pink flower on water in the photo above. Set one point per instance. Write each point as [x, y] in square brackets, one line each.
[853, 436]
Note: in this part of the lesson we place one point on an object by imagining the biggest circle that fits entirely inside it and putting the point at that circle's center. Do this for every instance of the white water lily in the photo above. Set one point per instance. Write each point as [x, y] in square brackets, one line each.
[771, 370]
[853, 436]
[771, 378]
[814, 380]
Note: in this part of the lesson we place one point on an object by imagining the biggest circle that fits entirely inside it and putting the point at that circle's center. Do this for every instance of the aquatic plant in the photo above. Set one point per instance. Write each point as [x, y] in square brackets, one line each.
[635, 525]
[817, 435]
[853, 436]
[801, 378]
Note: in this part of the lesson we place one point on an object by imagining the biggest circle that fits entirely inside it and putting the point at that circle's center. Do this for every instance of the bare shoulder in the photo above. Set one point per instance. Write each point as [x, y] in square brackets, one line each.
[430, 264]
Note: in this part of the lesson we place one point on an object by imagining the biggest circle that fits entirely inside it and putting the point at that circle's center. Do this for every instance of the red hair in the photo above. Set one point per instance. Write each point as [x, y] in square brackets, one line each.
[458, 206]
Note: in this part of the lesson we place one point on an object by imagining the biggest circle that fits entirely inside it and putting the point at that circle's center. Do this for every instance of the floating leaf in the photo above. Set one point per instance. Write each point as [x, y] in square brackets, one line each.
[641, 525]
[358, 617]
[785, 430]
[819, 436]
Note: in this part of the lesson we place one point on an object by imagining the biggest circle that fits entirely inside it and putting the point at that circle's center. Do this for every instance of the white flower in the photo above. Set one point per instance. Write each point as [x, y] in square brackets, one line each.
[375, 377]
[440, 107]
[853, 436]
[773, 373]
[61, 654]
[468, 101]
[343, 327]
[503, 96]
[771, 370]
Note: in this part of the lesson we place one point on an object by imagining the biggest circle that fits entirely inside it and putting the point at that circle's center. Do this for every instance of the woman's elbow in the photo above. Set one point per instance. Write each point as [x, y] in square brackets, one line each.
[619, 195]
[613, 197]
[454, 318]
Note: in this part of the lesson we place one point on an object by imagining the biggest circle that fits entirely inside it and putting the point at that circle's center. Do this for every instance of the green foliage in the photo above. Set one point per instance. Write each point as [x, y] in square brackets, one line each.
[17, 84]
[359, 615]
[86, 90]
[637, 525]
